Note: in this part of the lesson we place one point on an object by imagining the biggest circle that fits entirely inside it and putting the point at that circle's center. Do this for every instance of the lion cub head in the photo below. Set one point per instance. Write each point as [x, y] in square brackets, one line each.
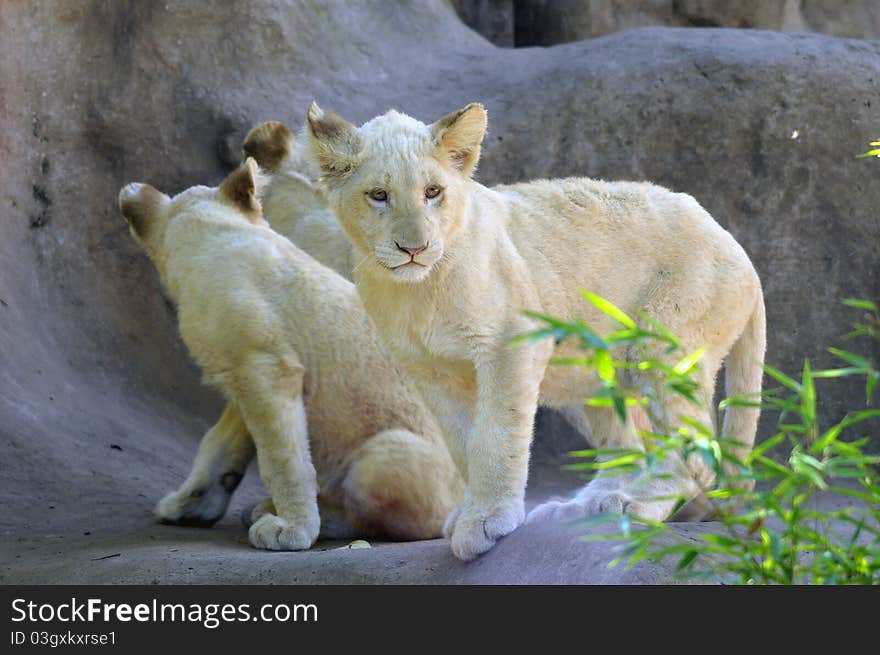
[148, 211]
[398, 186]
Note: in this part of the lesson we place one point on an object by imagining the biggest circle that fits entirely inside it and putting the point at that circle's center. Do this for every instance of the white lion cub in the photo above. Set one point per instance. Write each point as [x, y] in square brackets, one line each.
[447, 265]
[308, 383]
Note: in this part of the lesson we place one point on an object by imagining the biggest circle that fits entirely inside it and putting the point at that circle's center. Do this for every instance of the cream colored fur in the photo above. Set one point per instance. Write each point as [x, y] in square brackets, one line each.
[309, 385]
[293, 201]
[444, 277]
[296, 205]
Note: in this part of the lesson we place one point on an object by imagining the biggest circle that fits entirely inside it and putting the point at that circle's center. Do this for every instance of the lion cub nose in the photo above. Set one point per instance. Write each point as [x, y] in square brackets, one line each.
[412, 251]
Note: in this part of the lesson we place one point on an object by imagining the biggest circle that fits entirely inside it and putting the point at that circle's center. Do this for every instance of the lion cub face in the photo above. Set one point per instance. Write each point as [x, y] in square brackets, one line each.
[398, 186]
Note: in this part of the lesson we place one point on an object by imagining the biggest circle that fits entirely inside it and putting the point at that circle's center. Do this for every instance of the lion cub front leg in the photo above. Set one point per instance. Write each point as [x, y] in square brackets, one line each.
[269, 394]
[497, 450]
[222, 458]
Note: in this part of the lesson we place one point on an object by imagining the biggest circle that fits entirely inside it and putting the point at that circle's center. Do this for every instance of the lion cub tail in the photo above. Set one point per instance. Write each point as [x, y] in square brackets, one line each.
[744, 372]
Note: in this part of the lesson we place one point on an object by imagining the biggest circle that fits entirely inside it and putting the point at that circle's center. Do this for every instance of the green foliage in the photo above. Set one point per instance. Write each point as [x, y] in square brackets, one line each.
[874, 152]
[776, 533]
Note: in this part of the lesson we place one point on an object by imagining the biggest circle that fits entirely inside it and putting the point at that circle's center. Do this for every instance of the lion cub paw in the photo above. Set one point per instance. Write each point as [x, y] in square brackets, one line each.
[475, 528]
[272, 532]
[252, 513]
[200, 507]
[602, 502]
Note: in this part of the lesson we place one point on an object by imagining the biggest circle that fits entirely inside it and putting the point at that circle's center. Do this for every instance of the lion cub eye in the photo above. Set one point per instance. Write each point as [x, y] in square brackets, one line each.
[432, 191]
[379, 195]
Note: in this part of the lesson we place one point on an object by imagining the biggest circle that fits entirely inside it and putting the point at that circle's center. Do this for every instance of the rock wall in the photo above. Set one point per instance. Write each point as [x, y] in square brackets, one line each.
[494, 19]
[548, 22]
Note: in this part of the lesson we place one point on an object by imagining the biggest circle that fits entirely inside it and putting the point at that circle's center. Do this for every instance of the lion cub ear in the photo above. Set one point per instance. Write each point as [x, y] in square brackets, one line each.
[334, 142]
[139, 204]
[457, 136]
[269, 143]
[242, 188]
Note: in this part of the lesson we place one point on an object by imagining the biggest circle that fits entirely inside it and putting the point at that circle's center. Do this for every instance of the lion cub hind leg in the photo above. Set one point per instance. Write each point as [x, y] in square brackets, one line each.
[654, 498]
[674, 481]
[268, 391]
[222, 458]
[606, 430]
[400, 486]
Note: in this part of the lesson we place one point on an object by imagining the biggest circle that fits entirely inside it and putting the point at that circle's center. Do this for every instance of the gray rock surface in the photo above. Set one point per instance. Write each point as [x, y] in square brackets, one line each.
[100, 407]
[854, 19]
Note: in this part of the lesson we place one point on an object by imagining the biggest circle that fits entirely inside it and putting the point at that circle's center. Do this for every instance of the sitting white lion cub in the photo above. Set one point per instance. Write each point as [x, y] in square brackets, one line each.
[288, 343]
[447, 265]
[296, 207]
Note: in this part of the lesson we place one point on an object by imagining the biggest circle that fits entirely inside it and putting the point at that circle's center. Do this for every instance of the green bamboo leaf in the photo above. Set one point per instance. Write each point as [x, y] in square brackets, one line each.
[766, 445]
[624, 337]
[605, 367]
[696, 425]
[685, 391]
[609, 308]
[721, 494]
[809, 460]
[848, 449]
[620, 407]
[808, 395]
[639, 555]
[603, 452]
[852, 358]
[870, 385]
[773, 466]
[858, 417]
[827, 438]
[742, 400]
[661, 333]
[858, 303]
[797, 428]
[810, 473]
[839, 372]
[782, 378]
[687, 363]
[538, 335]
[618, 461]
[720, 540]
[589, 336]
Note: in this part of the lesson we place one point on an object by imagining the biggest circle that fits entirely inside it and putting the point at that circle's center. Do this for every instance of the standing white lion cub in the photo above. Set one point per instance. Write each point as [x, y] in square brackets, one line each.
[309, 384]
[446, 265]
